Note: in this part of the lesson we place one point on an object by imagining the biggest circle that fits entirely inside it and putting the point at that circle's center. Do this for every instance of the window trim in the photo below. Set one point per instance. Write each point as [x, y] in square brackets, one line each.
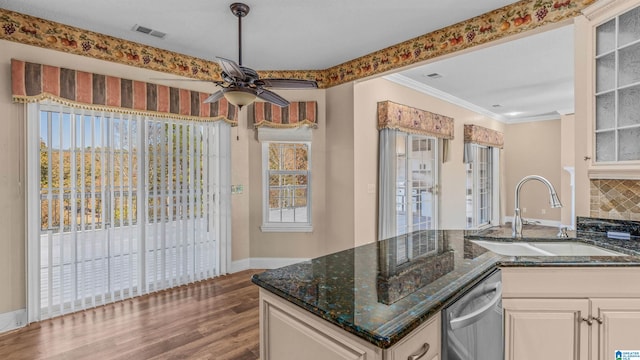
[289, 136]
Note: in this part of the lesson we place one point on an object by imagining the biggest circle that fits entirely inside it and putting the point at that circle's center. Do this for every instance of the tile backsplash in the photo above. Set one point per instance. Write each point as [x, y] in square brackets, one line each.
[615, 199]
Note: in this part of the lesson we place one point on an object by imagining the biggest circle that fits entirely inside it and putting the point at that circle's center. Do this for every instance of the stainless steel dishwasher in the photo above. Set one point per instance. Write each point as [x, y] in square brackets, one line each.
[472, 327]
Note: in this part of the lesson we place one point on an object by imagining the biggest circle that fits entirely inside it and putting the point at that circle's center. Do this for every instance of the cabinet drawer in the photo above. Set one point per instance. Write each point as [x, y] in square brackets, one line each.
[413, 344]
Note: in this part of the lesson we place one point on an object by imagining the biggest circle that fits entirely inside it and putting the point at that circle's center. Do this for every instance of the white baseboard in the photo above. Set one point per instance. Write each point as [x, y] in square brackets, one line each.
[13, 320]
[551, 223]
[240, 265]
[262, 263]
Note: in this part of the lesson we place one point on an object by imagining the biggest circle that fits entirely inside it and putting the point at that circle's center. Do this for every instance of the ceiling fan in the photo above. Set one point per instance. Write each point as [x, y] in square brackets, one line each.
[241, 85]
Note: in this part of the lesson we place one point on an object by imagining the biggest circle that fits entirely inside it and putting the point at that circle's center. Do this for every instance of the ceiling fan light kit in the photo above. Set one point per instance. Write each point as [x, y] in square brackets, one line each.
[239, 96]
[242, 85]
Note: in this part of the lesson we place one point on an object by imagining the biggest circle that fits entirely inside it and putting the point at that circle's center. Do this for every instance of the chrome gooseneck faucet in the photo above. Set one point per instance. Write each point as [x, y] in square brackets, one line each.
[516, 226]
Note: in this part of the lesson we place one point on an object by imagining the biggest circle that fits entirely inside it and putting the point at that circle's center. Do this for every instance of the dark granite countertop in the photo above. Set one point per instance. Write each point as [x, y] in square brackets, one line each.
[384, 290]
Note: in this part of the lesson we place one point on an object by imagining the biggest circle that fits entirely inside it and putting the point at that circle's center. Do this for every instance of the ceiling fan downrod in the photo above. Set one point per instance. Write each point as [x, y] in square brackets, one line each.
[240, 10]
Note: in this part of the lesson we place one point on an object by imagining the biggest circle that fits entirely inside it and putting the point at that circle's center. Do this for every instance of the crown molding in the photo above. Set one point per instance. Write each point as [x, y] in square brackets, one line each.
[601, 7]
[547, 117]
[428, 90]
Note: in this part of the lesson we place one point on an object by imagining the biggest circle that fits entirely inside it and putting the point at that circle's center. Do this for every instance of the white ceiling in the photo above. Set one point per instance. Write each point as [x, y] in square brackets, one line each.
[530, 75]
[531, 78]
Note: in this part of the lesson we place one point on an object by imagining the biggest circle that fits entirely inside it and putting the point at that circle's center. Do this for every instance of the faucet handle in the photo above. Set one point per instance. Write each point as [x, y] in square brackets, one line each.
[563, 232]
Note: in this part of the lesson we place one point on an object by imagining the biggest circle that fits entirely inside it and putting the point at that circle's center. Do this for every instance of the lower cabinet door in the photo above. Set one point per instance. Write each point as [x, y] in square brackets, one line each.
[618, 327]
[538, 329]
[290, 333]
[422, 344]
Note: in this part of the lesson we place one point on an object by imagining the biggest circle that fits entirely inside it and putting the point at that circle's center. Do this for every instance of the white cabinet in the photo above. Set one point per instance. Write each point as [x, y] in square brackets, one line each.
[423, 343]
[612, 92]
[570, 313]
[617, 322]
[546, 329]
[290, 333]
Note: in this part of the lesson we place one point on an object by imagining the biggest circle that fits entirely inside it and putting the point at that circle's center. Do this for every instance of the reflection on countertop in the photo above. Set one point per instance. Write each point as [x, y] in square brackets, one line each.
[376, 292]
[409, 262]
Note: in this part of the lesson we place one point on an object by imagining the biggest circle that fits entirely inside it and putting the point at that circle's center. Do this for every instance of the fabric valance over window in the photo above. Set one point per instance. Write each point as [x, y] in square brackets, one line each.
[414, 121]
[475, 134]
[298, 113]
[34, 82]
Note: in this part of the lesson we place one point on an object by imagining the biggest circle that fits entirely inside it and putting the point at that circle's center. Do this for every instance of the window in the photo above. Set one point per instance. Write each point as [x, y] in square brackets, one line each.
[480, 185]
[286, 185]
[128, 204]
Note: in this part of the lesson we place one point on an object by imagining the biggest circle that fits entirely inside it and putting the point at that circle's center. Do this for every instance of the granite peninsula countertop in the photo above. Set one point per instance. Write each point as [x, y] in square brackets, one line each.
[384, 290]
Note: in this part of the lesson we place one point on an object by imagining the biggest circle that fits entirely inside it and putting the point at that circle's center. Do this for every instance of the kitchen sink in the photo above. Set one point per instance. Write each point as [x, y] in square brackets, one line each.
[564, 248]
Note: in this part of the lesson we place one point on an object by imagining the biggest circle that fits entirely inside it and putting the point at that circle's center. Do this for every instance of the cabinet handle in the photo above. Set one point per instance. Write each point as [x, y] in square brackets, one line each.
[588, 320]
[598, 319]
[422, 352]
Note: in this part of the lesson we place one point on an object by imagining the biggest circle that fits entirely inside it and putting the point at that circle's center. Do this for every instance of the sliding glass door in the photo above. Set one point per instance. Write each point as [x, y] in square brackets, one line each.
[127, 204]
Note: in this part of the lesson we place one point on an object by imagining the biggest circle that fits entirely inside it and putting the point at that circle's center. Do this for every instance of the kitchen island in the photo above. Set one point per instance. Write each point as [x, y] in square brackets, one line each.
[370, 301]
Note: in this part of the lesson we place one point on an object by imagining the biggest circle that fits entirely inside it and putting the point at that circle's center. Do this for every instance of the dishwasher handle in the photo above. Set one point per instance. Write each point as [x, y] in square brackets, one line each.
[469, 319]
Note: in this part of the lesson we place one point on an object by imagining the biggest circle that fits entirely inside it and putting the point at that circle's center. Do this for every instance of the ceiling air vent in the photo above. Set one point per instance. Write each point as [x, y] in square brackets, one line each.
[433, 76]
[147, 31]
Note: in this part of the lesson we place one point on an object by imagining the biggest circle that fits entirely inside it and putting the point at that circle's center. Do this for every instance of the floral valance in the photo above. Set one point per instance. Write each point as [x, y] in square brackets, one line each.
[480, 135]
[34, 82]
[298, 113]
[414, 121]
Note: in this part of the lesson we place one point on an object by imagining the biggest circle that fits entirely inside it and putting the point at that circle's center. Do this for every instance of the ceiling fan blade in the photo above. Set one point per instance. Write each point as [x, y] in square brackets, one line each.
[231, 68]
[214, 97]
[272, 97]
[167, 79]
[290, 83]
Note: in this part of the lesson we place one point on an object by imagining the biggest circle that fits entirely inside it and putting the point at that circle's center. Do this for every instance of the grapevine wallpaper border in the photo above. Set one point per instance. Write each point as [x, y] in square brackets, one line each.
[516, 18]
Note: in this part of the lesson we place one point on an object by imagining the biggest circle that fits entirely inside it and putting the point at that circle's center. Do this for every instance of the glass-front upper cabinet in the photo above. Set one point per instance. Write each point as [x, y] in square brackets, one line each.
[617, 88]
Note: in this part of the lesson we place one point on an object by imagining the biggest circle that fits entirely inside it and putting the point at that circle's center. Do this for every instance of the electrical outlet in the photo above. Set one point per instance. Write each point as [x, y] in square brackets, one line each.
[524, 210]
[371, 188]
[543, 211]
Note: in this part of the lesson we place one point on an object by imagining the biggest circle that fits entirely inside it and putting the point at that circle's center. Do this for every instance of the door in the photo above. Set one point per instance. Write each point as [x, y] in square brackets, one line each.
[127, 205]
[417, 174]
[617, 322]
[546, 329]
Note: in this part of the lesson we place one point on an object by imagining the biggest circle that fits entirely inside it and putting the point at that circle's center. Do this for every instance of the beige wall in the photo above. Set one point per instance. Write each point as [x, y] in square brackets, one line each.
[289, 245]
[12, 195]
[452, 175]
[340, 168]
[533, 148]
[567, 159]
[582, 103]
[240, 203]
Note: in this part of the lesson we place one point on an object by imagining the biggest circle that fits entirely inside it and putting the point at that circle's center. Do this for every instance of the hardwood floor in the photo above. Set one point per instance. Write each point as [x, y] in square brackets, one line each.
[215, 319]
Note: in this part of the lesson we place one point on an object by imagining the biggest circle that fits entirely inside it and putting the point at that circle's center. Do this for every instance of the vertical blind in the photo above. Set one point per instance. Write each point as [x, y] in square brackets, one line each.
[128, 204]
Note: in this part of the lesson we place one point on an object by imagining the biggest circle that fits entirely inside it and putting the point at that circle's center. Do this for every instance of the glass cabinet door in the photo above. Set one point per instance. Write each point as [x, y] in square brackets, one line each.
[617, 88]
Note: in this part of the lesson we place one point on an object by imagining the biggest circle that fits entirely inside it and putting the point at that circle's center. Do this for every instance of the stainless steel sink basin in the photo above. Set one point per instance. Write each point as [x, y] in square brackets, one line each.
[564, 248]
